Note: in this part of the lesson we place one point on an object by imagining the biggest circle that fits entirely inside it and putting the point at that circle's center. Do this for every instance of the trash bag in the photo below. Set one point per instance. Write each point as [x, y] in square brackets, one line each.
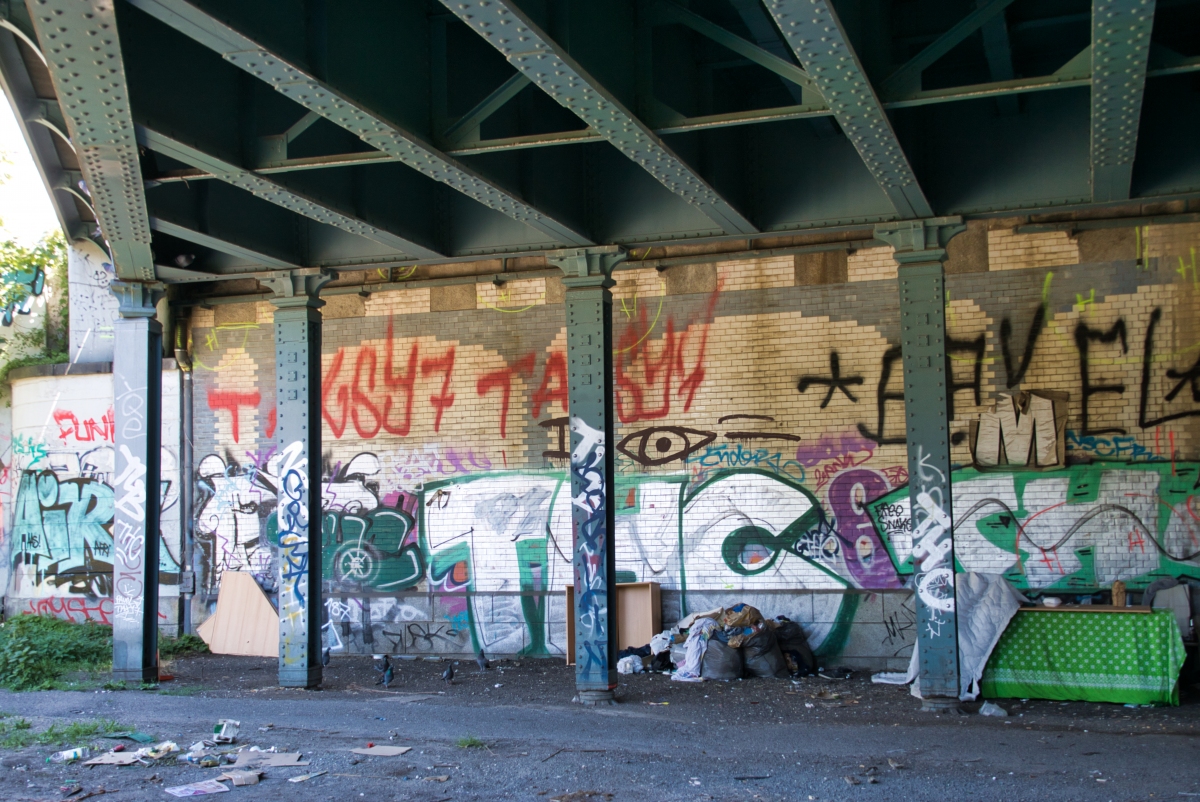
[660, 662]
[631, 664]
[721, 662]
[741, 615]
[762, 655]
[794, 645]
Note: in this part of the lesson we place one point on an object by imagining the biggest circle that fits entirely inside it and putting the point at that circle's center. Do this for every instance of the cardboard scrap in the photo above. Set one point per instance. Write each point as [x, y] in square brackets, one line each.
[245, 623]
[241, 777]
[267, 760]
[382, 751]
[114, 759]
[304, 777]
[198, 789]
[441, 778]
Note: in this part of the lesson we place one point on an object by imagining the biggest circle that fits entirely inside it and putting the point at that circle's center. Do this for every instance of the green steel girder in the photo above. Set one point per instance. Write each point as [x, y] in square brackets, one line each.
[466, 128]
[1120, 50]
[273, 192]
[79, 41]
[814, 32]
[998, 50]
[908, 78]
[306, 89]
[667, 11]
[218, 244]
[503, 25]
[39, 121]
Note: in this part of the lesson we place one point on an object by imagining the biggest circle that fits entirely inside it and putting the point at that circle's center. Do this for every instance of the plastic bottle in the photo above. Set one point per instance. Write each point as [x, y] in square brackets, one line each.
[69, 755]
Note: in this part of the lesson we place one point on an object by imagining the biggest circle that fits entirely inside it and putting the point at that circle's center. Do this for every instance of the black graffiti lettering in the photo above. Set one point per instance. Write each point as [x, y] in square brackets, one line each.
[1084, 336]
[1192, 376]
[1013, 377]
[561, 425]
[882, 396]
[834, 382]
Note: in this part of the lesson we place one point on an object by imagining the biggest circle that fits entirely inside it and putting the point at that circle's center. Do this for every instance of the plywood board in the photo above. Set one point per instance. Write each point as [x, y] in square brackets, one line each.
[245, 623]
[639, 616]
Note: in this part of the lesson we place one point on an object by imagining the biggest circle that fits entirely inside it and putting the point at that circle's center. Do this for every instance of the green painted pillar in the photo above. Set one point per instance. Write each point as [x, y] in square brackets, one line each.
[588, 277]
[920, 252]
[136, 482]
[298, 506]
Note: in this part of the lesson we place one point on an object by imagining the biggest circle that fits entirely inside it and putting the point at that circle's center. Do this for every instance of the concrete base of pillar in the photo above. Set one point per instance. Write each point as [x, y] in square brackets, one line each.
[941, 704]
[300, 677]
[591, 698]
[142, 676]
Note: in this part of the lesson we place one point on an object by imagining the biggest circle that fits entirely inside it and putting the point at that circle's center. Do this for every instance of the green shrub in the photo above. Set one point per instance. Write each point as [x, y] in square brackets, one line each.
[35, 651]
[181, 647]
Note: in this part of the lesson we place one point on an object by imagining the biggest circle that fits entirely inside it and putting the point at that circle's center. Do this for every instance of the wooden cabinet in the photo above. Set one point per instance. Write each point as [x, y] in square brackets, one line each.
[638, 618]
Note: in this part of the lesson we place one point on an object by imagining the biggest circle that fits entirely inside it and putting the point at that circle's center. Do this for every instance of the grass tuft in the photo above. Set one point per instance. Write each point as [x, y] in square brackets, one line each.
[469, 742]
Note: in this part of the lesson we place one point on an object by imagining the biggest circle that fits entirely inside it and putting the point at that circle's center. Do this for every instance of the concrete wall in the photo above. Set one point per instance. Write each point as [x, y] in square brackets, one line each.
[445, 407]
[59, 543]
[93, 307]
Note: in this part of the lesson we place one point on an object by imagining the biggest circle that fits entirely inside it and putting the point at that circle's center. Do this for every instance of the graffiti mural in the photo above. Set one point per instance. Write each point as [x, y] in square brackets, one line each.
[759, 452]
[66, 491]
[1075, 530]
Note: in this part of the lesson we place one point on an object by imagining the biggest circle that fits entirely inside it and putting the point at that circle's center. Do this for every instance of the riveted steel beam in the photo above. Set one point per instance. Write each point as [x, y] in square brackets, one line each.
[83, 54]
[814, 32]
[276, 193]
[1120, 50]
[920, 250]
[137, 485]
[666, 11]
[908, 77]
[587, 274]
[998, 51]
[466, 128]
[217, 244]
[534, 54]
[304, 88]
[298, 466]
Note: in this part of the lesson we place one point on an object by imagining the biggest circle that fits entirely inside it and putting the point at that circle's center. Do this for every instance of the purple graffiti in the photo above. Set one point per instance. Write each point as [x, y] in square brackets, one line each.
[832, 446]
[866, 558]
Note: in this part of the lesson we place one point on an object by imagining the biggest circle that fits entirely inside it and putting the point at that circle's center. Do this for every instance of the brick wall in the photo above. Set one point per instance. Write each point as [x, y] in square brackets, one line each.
[443, 421]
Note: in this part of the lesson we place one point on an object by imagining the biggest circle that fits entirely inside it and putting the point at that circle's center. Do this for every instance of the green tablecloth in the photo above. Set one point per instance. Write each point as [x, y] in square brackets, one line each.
[1093, 657]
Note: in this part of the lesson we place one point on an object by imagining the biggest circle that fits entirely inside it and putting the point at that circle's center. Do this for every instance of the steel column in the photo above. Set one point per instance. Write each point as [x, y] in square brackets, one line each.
[588, 277]
[920, 252]
[136, 482]
[298, 510]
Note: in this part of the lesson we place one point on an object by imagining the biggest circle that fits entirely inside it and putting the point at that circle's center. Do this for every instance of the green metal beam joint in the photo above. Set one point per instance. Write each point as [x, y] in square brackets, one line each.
[1120, 53]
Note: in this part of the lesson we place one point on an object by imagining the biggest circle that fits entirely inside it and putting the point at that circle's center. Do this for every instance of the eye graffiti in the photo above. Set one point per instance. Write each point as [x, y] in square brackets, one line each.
[659, 445]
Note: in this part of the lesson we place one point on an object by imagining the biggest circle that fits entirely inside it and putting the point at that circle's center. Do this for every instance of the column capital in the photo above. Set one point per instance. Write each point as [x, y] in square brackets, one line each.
[920, 240]
[137, 300]
[588, 267]
[299, 288]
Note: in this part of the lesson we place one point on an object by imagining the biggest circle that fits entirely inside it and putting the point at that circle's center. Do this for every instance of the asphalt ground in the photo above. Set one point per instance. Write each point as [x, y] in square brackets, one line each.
[513, 733]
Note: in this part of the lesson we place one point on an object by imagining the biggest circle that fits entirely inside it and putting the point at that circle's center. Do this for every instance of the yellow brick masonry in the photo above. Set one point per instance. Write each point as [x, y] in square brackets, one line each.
[1008, 250]
[871, 264]
[512, 296]
[756, 274]
[413, 301]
